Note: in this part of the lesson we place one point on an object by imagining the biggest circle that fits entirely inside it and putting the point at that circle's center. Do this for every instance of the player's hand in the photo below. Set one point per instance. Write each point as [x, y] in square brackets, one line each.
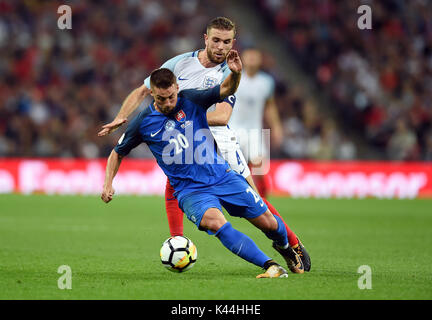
[107, 194]
[234, 62]
[111, 127]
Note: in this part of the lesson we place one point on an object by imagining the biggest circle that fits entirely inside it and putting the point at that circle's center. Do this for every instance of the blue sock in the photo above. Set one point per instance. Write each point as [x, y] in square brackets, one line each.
[280, 234]
[241, 245]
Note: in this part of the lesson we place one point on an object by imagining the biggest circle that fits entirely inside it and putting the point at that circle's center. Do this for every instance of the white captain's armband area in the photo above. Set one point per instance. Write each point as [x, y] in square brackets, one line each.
[231, 100]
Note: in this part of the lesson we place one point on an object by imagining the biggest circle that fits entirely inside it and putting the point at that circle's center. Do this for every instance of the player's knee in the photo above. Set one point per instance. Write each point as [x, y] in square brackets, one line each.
[214, 226]
[212, 220]
[268, 222]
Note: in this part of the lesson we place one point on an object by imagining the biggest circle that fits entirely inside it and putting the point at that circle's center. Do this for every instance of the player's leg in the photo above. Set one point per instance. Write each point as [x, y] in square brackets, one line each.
[234, 240]
[260, 180]
[235, 158]
[231, 151]
[259, 163]
[205, 211]
[258, 160]
[292, 238]
[274, 228]
[174, 213]
[239, 199]
[251, 182]
[233, 154]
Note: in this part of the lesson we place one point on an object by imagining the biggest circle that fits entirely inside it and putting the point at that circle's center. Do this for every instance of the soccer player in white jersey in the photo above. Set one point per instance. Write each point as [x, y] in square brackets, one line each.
[255, 99]
[205, 69]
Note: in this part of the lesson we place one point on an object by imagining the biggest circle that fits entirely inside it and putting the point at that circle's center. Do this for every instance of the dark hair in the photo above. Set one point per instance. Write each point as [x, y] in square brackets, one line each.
[221, 23]
[162, 78]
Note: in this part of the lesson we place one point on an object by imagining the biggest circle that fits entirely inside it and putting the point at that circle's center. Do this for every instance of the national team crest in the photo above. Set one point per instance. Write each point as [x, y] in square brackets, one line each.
[209, 82]
[180, 116]
[169, 125]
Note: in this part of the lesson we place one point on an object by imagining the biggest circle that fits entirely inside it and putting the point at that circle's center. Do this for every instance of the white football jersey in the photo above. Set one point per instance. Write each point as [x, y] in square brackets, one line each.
[191, 74]
[252, 94]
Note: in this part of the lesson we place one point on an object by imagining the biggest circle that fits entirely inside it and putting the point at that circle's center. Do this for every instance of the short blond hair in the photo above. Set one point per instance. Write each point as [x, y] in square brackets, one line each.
[221, 23]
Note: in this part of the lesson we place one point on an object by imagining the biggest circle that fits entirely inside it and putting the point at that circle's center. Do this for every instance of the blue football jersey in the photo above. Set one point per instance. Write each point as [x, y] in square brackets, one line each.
[181, 142]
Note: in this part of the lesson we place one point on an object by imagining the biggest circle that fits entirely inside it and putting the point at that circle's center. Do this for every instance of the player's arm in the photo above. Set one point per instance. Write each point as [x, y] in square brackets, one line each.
[113, 164]
[220, 116]
[128, 141]
[222, 113]
[230, 84]
[131, 103]
[136, 97]
[273, 119]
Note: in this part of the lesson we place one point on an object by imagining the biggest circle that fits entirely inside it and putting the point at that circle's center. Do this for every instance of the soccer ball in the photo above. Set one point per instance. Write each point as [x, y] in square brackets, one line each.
[178, 254]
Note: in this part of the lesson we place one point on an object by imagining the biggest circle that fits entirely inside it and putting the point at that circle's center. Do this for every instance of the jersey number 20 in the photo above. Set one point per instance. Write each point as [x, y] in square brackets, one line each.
[180, 143]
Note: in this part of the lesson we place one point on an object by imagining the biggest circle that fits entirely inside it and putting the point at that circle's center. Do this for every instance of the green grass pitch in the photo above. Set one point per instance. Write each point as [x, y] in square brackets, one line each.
[113, 251]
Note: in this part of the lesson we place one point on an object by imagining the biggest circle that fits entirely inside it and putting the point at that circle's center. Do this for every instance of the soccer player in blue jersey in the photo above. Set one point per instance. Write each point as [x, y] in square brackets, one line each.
[202, 69]
[175, 128]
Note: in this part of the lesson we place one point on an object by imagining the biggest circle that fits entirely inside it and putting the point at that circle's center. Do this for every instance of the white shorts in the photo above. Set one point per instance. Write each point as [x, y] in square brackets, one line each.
[230, 150]
[253, 143]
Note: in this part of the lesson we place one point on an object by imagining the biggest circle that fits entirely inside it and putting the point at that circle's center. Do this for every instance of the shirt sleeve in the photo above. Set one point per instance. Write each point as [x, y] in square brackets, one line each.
[203, 98]
[226, 73]
[170, 64]
[130, 139]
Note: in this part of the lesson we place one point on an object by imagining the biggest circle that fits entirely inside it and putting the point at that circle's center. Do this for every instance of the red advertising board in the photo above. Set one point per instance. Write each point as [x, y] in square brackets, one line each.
[289, 178]
[351, 179]
[78, 176]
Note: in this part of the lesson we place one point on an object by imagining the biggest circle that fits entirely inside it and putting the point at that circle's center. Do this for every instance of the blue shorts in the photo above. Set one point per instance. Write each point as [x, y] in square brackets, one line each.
[232, 192]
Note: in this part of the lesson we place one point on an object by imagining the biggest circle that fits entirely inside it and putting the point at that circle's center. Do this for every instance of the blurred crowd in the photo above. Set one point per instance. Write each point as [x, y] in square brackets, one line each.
[379, 80]
[311, 135]
[308, 132]
[57, 87]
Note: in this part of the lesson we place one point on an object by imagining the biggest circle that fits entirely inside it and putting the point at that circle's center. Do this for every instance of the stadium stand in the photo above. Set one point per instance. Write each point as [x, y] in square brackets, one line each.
[380, 80]
[57, 87]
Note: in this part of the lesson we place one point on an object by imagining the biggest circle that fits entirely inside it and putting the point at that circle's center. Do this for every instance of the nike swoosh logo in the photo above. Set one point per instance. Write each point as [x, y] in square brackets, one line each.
[153, 134]
[180, 78]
